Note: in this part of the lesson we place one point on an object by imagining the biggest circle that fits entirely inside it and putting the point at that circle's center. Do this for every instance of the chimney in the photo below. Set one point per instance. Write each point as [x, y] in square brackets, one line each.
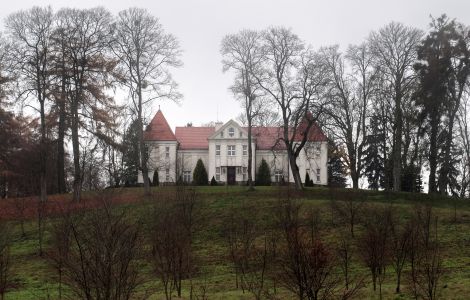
[218, 125]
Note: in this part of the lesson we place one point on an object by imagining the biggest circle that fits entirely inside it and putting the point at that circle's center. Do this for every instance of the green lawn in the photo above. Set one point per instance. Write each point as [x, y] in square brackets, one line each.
[34, 278]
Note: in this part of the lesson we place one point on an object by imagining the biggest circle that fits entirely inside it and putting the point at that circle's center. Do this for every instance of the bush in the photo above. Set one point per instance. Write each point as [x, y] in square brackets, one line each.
[264, 174]
[155, 181]
[200, 174]
[213, 181]
[308, 181]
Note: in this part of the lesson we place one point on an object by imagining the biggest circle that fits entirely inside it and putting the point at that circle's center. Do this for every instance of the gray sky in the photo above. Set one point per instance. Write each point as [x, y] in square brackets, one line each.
[200, 26]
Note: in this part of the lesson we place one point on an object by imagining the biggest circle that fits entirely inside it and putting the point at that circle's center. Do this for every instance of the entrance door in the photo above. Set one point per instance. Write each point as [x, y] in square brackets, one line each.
[231, 175]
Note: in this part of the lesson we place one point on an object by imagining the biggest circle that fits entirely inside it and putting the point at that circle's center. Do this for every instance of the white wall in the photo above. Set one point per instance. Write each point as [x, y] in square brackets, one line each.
[159, 161]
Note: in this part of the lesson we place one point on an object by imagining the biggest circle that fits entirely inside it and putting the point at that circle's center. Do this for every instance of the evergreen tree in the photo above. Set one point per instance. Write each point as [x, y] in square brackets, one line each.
[308, 181]
[213, 181]
[155, 181]
[200, 174]
[336, 170]
[374, 159]
[131, 154]
[264, 174]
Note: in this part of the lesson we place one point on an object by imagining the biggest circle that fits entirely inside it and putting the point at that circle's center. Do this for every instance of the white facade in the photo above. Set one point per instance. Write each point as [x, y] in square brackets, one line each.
[226, 158]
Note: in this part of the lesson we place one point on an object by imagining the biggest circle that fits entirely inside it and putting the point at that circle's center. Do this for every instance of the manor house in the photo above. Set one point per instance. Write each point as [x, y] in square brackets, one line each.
[224, 150]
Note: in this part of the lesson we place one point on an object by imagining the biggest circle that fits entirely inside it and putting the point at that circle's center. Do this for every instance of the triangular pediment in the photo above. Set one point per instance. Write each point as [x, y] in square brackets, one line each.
[225, 128]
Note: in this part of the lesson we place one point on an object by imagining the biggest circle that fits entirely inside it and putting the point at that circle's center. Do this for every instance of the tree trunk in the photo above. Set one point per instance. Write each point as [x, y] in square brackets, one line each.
[295, 170]
[444, 176]
[43, 153]
[250, 159]
[143, 157]
[60, 143]
[77, 181]
[433, 157]
[397, 145]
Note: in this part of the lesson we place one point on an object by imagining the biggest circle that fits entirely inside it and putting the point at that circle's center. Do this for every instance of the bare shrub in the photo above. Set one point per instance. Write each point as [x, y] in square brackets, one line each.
[306, 267]
[425, 254]
[347, 207]
[373, 245]
[97, 254]
[400, 241]
[171, 237]
[249, 255]
[5, 263]
[61, 239]
[41, 221]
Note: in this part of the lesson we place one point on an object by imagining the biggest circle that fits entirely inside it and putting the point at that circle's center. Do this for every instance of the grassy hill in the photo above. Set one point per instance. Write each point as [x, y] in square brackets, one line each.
[34, 277]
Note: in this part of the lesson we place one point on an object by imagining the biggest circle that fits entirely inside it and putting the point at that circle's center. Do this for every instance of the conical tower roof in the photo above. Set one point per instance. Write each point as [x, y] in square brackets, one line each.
[158, 129]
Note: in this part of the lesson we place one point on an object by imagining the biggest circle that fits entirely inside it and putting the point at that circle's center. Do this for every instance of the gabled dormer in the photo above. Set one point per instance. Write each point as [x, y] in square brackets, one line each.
[230, 130]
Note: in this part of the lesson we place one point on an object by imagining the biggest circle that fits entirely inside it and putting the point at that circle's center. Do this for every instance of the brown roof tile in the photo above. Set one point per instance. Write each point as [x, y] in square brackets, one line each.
[194, 137]
[158, 129]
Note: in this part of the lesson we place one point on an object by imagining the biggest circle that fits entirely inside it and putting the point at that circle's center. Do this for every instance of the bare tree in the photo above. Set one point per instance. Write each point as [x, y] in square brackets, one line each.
[30, 31]
[351, 85]
[146, 54]
[243, 54]
[394, 48]
[293, 78]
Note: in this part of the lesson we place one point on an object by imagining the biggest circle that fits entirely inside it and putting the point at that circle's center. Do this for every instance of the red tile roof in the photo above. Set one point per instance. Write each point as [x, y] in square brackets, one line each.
[158, 129]
[194, 137]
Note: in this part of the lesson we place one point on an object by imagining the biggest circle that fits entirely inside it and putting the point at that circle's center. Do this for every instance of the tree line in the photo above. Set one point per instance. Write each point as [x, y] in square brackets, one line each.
[394, 107]
[61, 72]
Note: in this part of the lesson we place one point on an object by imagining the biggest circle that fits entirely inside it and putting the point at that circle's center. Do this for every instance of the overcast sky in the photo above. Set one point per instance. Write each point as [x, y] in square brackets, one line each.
[201, 25]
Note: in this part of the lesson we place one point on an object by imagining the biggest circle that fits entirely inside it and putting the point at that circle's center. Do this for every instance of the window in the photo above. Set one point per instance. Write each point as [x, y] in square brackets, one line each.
[317, 150]
[231, 132]
[167, 175]
[222, 134]
[244, 173]
[217, 150]
[278, 176]
[318, 175]
[187, 176]
[245, 149]
[223, 170]
[167, 152]
[241, 134]
[217, 173]
[231, 150]
[239, 170]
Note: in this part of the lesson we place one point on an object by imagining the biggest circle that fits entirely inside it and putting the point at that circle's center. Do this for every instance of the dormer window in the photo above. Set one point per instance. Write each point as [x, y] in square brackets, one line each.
[222, 134]
[231, 132]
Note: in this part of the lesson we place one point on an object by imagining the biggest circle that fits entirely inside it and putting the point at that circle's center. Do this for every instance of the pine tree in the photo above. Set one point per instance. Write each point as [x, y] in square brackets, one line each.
[374, 160]
[213, 181]
[336, 171]
[264, 174]
[200, 174]
[308, 181]
[131, 154]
